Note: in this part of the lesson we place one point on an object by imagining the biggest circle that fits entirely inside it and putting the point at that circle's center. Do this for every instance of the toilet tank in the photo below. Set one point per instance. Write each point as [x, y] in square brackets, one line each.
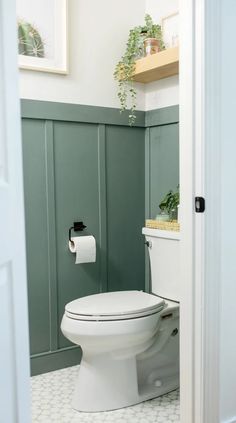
[164, 254]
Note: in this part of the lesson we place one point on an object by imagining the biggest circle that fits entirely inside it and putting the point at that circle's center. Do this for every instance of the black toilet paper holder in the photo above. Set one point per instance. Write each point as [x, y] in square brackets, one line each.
[77, 227]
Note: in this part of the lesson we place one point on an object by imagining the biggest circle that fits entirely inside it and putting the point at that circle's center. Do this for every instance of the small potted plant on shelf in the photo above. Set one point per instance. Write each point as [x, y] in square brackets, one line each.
[152, 37]
[169, 206]
[142, 40]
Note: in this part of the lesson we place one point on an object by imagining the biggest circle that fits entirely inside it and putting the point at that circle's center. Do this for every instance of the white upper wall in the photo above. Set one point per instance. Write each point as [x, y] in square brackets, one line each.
[165, 92]
[98, 32]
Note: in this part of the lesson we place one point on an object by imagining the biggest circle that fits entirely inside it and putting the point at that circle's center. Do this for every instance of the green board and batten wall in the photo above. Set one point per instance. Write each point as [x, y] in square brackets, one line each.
[86, 163]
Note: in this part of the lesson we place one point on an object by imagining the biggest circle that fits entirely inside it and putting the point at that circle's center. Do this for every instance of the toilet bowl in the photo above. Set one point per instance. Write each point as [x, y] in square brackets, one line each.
[130, 348]
[129, 339]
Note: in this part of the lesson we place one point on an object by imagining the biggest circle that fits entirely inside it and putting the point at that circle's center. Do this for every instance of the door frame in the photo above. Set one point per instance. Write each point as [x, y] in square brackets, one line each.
[199, 112]
[200, 146]
[14, 363]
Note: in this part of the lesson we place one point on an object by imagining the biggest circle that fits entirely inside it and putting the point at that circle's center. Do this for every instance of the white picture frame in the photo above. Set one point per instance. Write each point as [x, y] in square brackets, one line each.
[170, 30]
[43, 35]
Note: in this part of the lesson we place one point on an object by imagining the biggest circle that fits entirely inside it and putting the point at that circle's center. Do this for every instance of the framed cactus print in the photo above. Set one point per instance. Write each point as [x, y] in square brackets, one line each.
[42, 35]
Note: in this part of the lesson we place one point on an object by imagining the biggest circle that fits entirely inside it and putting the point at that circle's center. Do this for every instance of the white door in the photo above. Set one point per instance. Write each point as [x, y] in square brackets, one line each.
[208, 151]
[14, 351]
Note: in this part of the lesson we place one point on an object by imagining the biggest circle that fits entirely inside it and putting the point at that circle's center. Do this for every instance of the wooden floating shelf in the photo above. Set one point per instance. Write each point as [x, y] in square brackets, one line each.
[157, 66]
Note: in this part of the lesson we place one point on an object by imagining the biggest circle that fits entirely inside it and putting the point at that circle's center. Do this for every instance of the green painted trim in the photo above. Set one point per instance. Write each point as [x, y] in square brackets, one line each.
[35, 109]
[55, 360]
[164, 116]
[49, 110]
[102, 205]
[51, 217]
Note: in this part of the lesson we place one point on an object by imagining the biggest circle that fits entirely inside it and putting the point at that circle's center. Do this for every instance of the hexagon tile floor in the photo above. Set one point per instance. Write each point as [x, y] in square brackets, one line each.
[51, 403]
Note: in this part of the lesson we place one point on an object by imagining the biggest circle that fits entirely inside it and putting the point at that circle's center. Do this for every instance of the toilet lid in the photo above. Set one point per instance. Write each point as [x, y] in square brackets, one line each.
[114, 306]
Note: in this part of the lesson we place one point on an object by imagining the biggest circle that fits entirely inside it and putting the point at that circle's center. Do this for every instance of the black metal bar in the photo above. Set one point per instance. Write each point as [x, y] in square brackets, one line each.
[78, 226]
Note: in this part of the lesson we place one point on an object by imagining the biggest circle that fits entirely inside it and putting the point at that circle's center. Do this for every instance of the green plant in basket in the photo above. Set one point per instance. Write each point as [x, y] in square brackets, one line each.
[125, 68]
[170, 202]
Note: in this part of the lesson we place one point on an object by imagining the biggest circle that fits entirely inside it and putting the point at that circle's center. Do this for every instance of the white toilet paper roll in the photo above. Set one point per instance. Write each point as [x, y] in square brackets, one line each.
[84, 247]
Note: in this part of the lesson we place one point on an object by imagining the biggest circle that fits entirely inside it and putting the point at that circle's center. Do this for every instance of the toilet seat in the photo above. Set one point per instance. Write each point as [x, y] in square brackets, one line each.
[120, 305]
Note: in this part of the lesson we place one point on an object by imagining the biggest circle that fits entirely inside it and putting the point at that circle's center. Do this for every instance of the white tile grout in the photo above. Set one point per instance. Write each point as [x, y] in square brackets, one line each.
[51, 403]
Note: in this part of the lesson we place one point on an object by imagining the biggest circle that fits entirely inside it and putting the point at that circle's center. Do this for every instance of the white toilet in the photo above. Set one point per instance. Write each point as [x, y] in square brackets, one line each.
[129, 339]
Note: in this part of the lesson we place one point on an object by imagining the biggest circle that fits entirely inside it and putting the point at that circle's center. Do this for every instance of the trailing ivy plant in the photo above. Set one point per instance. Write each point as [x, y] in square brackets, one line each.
[125, 68]
[153, 31]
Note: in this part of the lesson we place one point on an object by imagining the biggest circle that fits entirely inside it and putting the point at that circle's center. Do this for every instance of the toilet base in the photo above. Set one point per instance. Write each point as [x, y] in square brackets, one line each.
[105, 383]
[125, 362]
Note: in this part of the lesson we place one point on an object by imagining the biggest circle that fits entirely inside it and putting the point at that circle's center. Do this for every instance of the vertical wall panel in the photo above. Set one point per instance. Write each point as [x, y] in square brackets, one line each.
[125, 207]
[102, 205]
[164, 163]
[51, 214]
[77, 198]
[35, 187]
